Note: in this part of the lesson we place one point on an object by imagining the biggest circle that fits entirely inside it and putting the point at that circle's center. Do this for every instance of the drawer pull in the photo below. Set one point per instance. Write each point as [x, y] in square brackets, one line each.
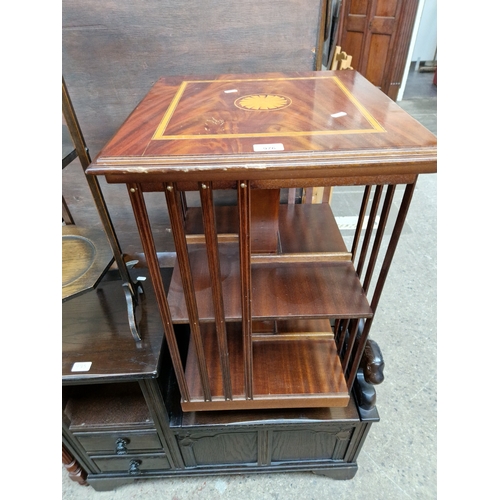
[134, 467]
[121, 446]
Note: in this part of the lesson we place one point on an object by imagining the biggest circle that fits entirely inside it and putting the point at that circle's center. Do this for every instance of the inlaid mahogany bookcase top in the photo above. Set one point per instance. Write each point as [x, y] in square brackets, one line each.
[279, 308]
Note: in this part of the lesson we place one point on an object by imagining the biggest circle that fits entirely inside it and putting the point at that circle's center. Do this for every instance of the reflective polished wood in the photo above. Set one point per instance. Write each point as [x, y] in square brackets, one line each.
[256, 134]
[309, 125]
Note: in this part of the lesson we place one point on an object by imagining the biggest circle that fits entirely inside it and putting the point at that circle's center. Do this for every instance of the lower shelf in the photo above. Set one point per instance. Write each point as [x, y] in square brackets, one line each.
[105, 407]
[302, 373]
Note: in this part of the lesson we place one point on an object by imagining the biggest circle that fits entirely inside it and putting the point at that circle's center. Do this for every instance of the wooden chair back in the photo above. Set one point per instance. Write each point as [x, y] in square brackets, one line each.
[340, 59]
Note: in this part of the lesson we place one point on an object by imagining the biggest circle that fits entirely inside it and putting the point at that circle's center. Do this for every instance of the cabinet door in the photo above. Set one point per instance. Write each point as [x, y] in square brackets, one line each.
[376, 33]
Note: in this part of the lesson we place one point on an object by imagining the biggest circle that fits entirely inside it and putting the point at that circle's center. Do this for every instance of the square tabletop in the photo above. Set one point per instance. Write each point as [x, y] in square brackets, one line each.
[324, 123]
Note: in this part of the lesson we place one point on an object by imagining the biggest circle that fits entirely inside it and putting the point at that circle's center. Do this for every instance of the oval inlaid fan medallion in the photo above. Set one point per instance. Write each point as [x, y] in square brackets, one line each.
[262, 102]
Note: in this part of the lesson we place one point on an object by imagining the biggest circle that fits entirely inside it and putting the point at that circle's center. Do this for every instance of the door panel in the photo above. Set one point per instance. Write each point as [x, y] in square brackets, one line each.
[377, 59]
[387, 8]
[377, 35]
[383, 25]
[355, 41]
[356, 23]
[359, 7]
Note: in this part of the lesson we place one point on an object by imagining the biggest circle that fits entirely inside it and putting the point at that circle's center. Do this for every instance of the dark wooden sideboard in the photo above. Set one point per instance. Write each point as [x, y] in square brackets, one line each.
[253, 341]
[122, 418]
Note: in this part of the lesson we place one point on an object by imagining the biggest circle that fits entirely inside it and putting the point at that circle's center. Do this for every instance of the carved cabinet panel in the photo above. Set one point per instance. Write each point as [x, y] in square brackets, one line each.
[330, 444]
[201, 448]
[267, 446]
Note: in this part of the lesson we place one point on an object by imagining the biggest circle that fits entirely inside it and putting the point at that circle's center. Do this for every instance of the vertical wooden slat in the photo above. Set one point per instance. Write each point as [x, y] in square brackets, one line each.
[291, 195]
[386, 264]
[336, 328]
[341, 340]
[246, 282]
[147, 240]
[393, 242]
[66, 214]
[177, 222]
[307, 195]
[327, 194]
[208, 213]
[361, 218]
[358, 353]
[369, 229]
[379, 235]
[350, 344]
[184, 204]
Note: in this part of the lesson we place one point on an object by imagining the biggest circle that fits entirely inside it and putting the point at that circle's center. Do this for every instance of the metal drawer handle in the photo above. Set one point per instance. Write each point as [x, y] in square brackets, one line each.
[121, 446]
[134, 467]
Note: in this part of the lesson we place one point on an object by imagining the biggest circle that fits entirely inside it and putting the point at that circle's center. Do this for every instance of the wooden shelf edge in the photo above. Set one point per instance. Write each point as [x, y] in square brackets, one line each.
[303, 373]
[282, 331]
[331, 289]
[261, 403]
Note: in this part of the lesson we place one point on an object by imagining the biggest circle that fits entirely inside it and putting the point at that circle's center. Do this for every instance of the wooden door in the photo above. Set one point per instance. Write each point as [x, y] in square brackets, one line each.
[377, 34]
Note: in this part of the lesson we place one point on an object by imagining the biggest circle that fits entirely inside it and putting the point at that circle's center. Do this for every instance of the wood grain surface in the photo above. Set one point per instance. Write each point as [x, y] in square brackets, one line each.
[304, 372]
[173, 135]
[107, 406]
[95, 329]
[283, 290]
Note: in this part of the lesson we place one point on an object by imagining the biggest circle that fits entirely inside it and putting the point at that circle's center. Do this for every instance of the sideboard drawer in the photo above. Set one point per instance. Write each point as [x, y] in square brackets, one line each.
[133, 464]
[119, 443]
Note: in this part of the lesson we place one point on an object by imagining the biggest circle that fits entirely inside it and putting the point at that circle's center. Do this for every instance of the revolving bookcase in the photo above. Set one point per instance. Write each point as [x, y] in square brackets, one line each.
[266, 312]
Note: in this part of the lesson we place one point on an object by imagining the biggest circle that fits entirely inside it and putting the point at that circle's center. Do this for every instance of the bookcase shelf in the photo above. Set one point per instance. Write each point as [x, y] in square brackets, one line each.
[303, 369]
[280, 290]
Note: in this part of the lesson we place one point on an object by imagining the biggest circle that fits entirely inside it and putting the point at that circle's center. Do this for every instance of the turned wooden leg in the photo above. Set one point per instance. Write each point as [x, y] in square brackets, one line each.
[75, 471]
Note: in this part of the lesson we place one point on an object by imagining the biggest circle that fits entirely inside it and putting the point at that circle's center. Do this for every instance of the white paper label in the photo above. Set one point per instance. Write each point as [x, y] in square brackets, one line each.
[230, 91]
[83, 366]
[268, 147]
[339, 114]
